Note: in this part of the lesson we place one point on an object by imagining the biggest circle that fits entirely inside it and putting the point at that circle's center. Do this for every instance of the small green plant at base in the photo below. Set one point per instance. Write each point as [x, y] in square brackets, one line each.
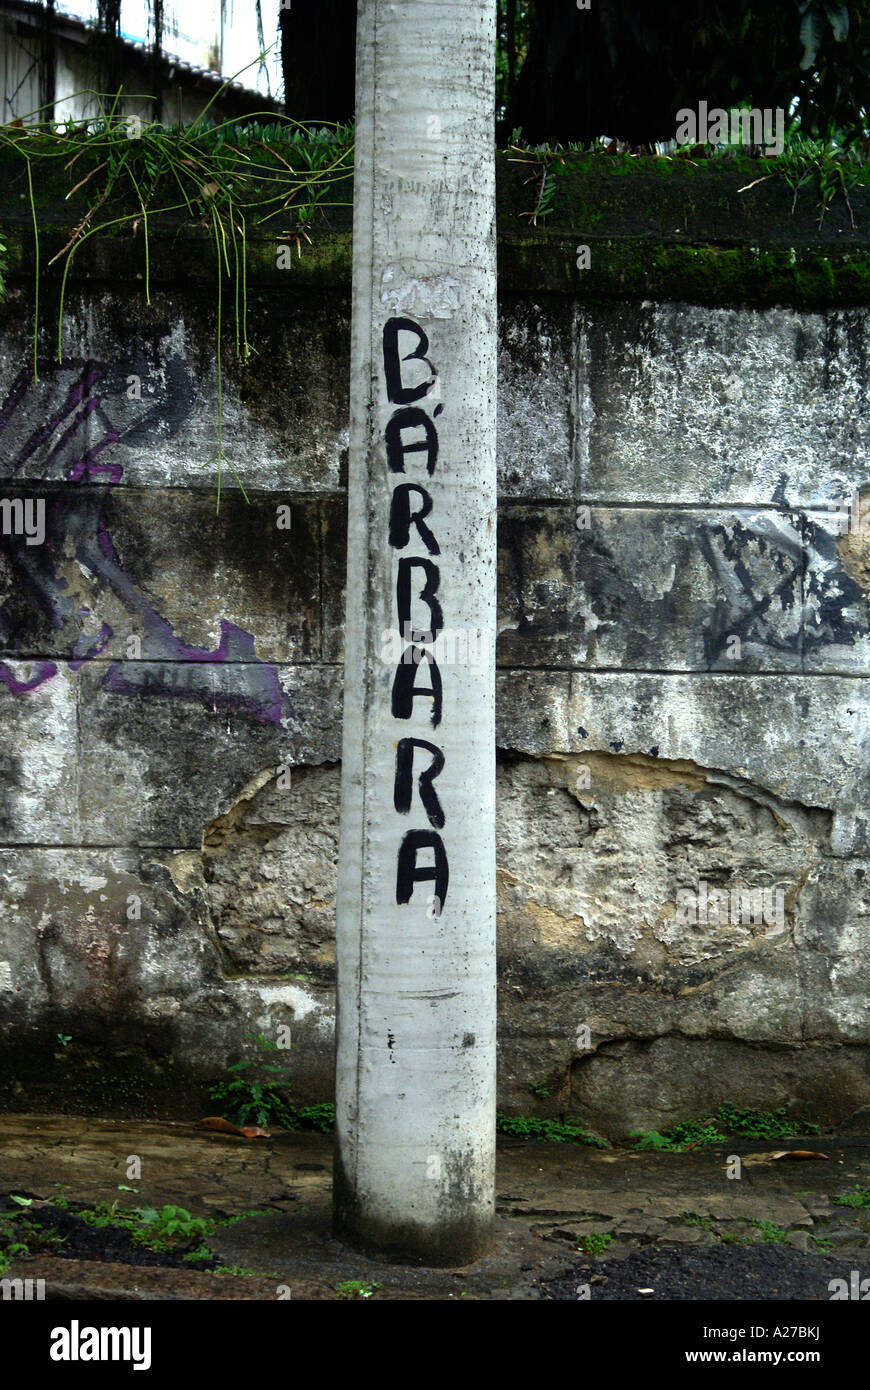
[821, 1241]
[860, 1197]
[162, 1229]
[705, 1223]
[650, 1139]
[243, 1216]
[321, 1117]
[694, 1218]
[355, 1288]
[21, 1235]
[771, 1234]
[762, 1124]
[102, 1215]
[201, 1252]
[256, 1089]
[696, 1134]
[554, 1131]
[174, 1223]
[728, 1121]
[595, 1243]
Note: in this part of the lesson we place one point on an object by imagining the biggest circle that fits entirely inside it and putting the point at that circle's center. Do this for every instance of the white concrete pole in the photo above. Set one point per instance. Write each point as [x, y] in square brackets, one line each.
[415, 1073]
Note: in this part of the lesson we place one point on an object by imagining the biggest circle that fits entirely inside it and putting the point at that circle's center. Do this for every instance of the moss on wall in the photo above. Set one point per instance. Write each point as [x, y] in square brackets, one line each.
[708, 231]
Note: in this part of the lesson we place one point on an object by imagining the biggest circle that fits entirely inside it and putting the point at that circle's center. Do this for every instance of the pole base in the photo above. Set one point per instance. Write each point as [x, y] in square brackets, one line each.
[452, 1240]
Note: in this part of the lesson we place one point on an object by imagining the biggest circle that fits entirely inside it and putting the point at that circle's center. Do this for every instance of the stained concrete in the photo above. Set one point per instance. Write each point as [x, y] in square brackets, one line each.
[550, 1198]
[681, 693]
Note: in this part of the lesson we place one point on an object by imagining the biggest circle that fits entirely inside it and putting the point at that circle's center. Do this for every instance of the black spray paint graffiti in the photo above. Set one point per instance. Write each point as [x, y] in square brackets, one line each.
[776, 585]
[70, 448]
[411, 417]
[804, 576]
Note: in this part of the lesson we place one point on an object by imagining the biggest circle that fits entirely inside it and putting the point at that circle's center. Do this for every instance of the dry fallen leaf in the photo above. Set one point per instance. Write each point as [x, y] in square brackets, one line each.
[799, 1153]
[217, 1122]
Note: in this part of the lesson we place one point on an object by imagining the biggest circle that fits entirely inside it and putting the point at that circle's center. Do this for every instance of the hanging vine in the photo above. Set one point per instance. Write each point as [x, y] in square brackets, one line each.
[227, 177]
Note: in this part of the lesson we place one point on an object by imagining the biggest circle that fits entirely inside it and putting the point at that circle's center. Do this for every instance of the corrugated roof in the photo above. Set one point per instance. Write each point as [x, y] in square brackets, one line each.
[34, 14]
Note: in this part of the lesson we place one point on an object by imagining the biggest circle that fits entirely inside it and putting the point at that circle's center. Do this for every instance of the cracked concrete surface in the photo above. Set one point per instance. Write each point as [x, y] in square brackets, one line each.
[550, 1199]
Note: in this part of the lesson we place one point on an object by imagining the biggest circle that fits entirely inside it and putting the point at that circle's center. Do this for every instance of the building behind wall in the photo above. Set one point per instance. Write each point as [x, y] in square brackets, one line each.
[47, 62]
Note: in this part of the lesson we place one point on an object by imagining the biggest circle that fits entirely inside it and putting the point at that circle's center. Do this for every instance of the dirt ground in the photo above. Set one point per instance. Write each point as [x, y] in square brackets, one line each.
[678, 1225]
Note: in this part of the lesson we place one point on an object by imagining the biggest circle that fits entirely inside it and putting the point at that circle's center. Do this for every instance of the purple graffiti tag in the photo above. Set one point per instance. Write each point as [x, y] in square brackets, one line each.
[67, 449]
[86, 647]
[43, 671]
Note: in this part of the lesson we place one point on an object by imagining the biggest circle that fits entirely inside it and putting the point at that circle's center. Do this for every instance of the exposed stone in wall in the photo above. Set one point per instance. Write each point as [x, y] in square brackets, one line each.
[852, 541]
[269, 881]
[591, 932]
[588, 937]
[654, 1084]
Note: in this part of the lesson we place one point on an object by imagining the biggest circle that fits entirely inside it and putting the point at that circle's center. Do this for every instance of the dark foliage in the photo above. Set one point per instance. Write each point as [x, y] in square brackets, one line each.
[625, 67]
[621, 68]
[318, 52]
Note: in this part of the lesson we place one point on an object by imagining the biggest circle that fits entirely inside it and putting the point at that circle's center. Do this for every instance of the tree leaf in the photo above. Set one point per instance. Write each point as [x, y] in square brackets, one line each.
[811, 38]
[839, 18]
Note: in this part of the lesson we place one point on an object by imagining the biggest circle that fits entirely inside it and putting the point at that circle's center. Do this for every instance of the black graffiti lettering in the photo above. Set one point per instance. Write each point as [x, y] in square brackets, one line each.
[407, 872]
[411, 417]
[404, 785]
[405, 686]
[413, 423]
[396, 392]
[401, 517]
[426, 595]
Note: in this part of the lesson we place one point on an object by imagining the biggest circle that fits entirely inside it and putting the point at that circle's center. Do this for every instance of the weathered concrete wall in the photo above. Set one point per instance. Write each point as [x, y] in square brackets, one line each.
[682, 699]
